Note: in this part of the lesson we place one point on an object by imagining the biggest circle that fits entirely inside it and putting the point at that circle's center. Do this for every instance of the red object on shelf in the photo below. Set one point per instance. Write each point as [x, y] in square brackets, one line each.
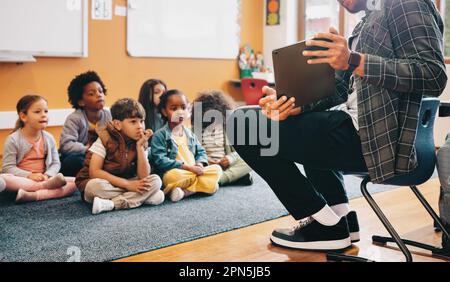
[252, 90]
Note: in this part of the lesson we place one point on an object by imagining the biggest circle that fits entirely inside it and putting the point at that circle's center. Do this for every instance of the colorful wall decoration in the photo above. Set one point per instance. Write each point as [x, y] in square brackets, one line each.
[273, 12]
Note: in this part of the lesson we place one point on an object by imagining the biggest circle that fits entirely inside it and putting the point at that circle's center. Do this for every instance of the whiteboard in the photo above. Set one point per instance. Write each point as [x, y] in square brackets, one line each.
[183, 28]
[44, 27]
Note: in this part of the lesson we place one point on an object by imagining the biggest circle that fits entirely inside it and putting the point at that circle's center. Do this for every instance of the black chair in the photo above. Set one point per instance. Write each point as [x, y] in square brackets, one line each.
[426, 157]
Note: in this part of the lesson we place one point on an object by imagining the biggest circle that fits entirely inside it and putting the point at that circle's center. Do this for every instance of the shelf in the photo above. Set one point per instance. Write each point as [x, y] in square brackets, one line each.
[7, 57]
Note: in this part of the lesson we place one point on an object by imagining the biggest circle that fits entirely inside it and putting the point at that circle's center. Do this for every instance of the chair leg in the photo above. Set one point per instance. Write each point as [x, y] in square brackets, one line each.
[437, 221]
[383, 220]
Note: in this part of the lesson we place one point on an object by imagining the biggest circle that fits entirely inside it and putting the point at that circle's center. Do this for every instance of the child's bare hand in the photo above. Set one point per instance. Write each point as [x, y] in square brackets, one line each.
[212, 162]
[224, 163]
[38, 177]
[145, 137]
[197, 170]
[140, 186]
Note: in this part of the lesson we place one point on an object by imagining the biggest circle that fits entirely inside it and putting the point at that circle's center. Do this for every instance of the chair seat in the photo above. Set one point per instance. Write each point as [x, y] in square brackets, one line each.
[414, 178]
[425, 148]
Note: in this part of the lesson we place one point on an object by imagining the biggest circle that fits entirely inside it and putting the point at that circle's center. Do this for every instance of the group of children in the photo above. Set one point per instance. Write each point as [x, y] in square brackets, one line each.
[134, 154]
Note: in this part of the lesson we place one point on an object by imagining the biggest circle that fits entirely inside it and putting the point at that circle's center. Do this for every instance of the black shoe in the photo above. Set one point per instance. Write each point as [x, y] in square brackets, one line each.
[353, 226]
[245, 180]
[313, 236]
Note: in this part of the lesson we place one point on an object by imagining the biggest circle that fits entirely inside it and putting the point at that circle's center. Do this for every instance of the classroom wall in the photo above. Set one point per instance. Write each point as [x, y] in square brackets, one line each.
[122, 74]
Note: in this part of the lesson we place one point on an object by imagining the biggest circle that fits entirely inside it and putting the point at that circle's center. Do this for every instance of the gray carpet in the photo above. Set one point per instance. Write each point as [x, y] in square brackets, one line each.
[48, 231]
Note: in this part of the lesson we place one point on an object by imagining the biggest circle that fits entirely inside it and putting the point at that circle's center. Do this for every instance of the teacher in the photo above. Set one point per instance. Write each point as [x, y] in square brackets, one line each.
[392, 60]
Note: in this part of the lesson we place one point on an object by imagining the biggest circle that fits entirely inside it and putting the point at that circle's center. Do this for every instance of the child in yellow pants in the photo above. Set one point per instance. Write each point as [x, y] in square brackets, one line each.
[177, 155]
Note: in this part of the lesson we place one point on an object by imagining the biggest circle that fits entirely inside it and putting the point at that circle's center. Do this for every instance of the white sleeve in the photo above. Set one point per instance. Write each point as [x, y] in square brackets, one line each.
[98, 148]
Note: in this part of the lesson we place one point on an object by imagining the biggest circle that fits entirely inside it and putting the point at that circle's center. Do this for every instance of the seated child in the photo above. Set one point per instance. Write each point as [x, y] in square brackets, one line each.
[149, 97]
[30, 159]
[235, 170]
[116, 171]
[87, 96]
[178, 156]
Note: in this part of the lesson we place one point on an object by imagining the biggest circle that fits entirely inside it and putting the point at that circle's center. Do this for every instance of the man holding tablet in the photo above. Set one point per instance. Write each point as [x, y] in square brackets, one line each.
[393, 58]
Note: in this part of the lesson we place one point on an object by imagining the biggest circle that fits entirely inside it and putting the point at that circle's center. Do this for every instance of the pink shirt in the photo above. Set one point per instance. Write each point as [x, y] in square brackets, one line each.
[34, 160]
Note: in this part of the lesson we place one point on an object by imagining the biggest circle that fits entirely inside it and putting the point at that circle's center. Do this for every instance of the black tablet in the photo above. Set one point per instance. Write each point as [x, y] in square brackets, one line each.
[294, 77]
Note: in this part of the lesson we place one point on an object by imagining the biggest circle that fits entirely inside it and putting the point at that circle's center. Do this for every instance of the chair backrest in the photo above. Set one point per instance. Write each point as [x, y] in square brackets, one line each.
[425, 147]
[252, 90]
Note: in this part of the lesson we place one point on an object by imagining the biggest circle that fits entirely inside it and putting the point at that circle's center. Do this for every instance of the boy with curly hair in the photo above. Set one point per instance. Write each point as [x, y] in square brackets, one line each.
[87, 95]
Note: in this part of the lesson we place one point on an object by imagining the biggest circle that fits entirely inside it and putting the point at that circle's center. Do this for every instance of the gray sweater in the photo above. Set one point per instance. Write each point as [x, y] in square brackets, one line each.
[17, 146]
[74, 136]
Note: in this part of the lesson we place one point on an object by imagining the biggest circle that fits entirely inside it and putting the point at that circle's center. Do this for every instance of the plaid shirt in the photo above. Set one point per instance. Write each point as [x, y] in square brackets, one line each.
[403, 47]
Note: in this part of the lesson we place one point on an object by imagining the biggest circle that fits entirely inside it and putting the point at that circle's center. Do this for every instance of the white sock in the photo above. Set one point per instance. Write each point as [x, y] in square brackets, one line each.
[177, 194]
[326, 216]
[341, 209]
[155, 199]
[101, 205]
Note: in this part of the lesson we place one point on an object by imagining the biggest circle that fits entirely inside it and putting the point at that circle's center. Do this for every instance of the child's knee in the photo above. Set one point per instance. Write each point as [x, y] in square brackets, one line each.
[93, 187]
[172, 174]
[155, 181]
[216, 169]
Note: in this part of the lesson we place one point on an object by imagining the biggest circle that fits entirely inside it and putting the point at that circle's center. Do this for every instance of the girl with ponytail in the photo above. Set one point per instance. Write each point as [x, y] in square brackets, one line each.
[30, 159]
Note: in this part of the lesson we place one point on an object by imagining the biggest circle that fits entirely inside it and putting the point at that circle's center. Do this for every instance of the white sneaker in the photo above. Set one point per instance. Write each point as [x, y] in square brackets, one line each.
[101, 205]
[176, 195]
[156, 199]
[2, 185]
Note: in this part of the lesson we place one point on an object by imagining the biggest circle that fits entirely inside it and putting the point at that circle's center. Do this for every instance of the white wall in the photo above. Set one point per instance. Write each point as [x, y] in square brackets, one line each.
[281, 35]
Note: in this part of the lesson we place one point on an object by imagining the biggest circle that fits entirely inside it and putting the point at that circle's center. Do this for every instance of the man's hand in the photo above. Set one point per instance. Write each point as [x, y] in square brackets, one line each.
[336, 56]
[277, 110]
[38, 177]
[140, 186]
[144, 139]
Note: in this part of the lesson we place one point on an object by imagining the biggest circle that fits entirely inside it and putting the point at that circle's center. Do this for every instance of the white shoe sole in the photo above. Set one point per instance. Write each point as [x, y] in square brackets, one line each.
[314, 246]
[354, 237]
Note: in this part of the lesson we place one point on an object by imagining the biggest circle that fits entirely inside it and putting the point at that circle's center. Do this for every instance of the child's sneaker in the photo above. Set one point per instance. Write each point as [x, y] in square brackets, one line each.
[2, 185]
[101, 205]
[176, 195]
[156, 199]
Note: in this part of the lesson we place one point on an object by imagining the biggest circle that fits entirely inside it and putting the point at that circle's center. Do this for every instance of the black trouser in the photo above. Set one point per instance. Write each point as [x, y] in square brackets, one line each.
[325, 143]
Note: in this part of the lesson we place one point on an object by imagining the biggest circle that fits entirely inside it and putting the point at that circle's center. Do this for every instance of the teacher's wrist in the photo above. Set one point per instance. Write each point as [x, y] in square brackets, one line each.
[359, 70]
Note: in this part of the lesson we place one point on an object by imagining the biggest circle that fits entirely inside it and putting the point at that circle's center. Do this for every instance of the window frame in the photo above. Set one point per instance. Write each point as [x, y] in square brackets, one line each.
[342, 19]
[302, 16]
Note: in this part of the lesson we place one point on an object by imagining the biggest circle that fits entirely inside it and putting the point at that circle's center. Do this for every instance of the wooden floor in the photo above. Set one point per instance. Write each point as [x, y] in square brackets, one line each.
[252, 244]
